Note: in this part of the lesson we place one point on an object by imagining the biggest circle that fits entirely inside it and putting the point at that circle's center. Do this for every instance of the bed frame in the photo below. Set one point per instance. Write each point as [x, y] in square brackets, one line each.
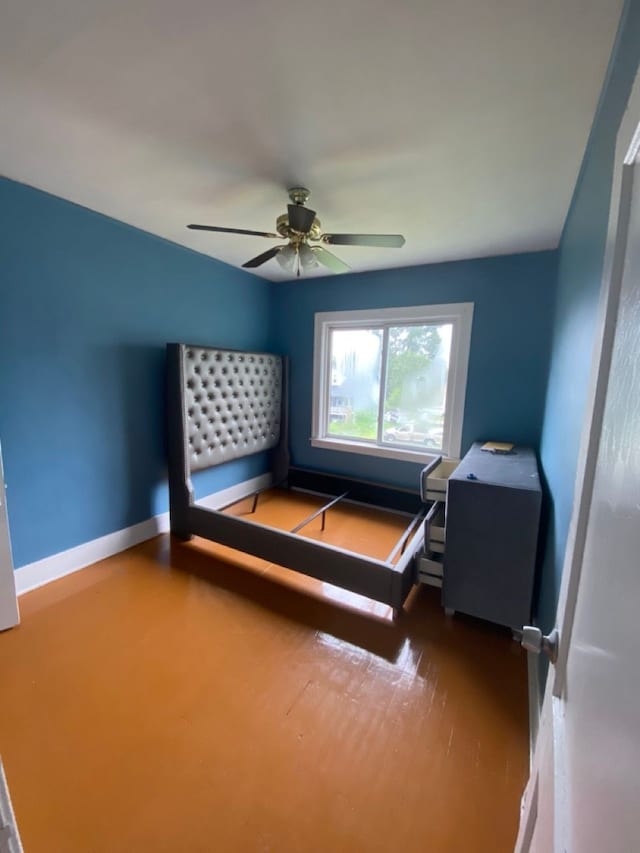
[225, 404]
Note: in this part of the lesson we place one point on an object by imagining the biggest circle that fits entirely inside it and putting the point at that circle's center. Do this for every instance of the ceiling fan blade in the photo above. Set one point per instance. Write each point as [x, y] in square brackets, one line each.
[232, 231]
[329, 260]
[300, 218]
[386, 241]
[263, 258]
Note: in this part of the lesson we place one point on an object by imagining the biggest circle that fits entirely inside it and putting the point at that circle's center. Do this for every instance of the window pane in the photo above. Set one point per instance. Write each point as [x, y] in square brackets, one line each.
[355, 383]
[416, 386]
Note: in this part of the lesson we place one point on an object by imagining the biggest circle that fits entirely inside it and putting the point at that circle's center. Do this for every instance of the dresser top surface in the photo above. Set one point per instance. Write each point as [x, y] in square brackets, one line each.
[517, 469]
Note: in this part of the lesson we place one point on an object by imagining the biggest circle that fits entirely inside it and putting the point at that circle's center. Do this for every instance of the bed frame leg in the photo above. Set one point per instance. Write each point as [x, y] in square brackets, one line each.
[255, 502]
[182, 536]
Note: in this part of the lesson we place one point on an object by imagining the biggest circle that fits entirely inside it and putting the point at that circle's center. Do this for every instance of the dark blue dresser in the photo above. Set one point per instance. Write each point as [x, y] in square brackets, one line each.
[493, 517]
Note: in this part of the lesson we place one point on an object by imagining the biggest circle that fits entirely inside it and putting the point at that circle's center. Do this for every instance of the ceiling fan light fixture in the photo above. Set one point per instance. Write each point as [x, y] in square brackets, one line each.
[287, 257]
[307, 257]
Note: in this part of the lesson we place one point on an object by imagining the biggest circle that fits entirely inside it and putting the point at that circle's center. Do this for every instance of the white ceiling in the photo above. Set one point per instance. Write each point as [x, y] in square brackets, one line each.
[460, 123]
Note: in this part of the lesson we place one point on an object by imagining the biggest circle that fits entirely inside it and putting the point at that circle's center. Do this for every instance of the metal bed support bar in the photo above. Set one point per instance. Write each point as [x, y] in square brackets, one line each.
[401, 544]
[255, 495]
[318, 512]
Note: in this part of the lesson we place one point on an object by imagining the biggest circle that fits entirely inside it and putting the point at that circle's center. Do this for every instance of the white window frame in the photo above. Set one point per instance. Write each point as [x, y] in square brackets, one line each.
[458, 314]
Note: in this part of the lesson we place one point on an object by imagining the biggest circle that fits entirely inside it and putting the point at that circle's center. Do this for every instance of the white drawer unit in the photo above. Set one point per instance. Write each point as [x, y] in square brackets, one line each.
[433, 484]
[435, 533]
[430, 569]
[433, 489]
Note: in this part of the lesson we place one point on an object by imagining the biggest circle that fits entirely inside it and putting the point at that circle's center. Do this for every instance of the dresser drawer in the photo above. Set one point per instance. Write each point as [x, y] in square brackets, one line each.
[435, 533]
[434, 484]
[430, 569]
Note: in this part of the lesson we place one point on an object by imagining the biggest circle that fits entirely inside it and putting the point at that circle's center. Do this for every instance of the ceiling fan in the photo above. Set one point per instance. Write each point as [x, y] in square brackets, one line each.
[301, 228]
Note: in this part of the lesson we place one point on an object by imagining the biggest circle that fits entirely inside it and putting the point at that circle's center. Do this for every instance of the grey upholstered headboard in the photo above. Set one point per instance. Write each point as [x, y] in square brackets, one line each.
[233, 403]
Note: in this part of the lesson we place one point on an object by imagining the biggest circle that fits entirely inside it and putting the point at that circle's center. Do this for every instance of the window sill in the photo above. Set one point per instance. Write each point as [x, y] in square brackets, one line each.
[399, 454]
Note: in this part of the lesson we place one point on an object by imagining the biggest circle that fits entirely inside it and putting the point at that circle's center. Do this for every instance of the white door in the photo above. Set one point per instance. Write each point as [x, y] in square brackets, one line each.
[9, 615]
[584, 792]
[9, 835]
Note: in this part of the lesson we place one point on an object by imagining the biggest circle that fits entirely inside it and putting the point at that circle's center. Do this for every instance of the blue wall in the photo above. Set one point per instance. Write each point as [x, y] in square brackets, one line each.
[513, 297]
[579, 278]
[86, 306]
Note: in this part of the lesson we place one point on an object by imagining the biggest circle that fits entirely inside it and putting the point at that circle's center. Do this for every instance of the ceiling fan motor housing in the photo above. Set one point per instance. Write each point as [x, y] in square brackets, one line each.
[284, 229]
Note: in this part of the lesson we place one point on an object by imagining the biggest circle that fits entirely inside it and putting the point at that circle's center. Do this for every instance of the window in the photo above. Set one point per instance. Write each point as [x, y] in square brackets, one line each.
[391, 382]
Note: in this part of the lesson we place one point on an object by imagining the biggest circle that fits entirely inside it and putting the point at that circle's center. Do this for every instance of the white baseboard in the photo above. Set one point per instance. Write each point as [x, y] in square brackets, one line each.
[234, 493]
[64, 563]
[57, 566]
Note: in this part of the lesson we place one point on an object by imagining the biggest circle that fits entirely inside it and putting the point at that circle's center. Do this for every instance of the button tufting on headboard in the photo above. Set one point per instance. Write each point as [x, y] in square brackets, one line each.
[233, 404]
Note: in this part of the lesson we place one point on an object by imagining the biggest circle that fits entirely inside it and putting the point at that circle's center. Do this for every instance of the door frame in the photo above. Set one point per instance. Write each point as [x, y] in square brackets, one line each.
[9, 836]
[9, 612]
[550, 740]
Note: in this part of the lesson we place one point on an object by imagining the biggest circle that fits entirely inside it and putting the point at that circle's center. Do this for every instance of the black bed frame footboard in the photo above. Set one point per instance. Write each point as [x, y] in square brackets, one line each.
[363, 575]
[223, 404]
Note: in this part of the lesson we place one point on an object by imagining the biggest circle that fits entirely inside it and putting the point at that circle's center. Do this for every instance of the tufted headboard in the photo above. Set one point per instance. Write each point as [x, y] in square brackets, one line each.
[231, 403]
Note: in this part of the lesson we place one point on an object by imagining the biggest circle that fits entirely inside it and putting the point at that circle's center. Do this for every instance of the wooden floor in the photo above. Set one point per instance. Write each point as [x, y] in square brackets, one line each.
[183, 697]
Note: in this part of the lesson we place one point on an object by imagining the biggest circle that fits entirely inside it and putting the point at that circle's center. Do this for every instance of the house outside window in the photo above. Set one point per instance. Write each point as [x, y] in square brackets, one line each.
[391, 382]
